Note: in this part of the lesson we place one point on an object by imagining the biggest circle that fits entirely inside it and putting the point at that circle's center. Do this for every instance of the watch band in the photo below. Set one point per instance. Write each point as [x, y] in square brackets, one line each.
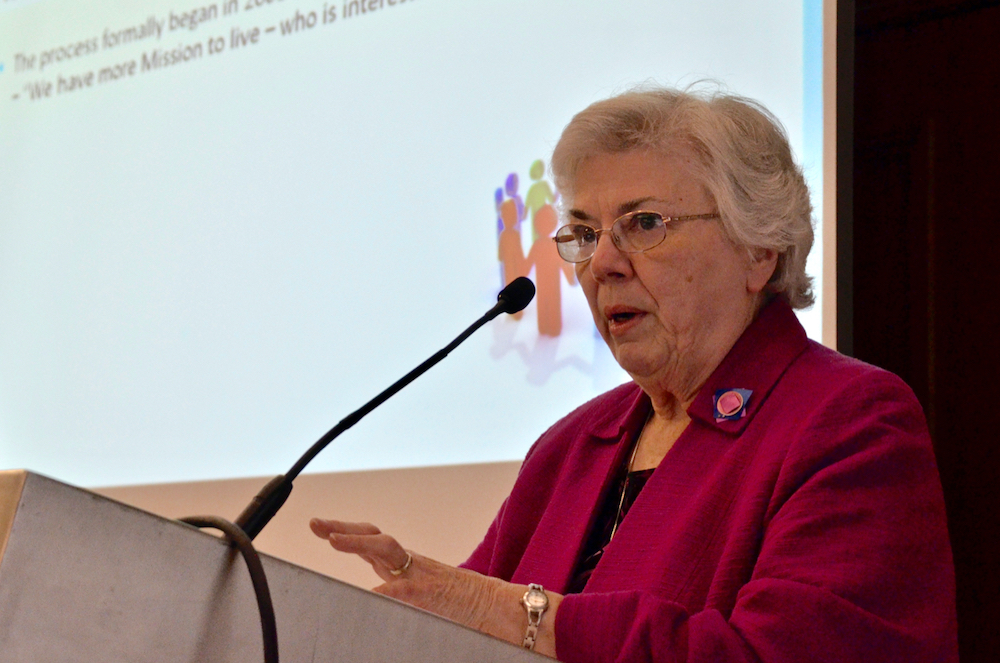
[535, 602]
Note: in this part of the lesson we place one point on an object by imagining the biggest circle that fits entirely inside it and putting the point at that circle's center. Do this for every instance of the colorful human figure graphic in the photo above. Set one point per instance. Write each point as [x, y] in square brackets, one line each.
[559, 345]
[539, 193]
[510, 188]
[510, 259]
[498, 200]
[548, 268]
[511, 252]
[542, 259]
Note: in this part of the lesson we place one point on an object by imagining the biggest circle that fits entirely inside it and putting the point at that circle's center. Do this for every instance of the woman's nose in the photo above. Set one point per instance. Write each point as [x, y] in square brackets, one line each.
[608, 260]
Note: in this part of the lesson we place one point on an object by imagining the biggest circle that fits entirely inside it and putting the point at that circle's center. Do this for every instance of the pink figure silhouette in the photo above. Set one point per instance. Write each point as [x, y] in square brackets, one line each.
[510, 252]
[544, 257]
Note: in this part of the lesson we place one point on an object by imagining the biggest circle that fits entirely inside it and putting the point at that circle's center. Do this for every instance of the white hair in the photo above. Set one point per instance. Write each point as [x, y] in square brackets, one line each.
[743, 160]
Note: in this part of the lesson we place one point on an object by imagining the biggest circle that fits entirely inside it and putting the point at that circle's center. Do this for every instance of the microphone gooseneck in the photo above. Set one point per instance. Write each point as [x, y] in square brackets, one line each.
[272, 496]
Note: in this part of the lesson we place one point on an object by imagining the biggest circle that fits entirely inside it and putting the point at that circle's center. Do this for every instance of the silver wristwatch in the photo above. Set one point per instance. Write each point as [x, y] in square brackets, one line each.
[535, 602]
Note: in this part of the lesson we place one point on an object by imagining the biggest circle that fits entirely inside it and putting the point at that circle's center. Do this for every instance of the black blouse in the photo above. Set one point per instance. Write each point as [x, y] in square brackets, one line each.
[614, 509]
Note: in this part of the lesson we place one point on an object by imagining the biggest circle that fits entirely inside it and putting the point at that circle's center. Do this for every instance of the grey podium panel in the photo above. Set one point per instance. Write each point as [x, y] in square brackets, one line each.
[85, 578]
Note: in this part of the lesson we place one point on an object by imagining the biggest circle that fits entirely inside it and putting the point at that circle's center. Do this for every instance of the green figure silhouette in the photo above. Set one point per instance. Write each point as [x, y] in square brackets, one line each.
[539, 194]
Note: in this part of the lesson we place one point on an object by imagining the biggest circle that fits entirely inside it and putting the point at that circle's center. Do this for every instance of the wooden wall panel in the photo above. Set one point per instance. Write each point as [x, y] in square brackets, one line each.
[926, 257]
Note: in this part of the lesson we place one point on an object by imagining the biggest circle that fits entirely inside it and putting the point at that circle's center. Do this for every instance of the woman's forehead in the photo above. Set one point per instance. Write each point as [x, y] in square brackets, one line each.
[610, 183]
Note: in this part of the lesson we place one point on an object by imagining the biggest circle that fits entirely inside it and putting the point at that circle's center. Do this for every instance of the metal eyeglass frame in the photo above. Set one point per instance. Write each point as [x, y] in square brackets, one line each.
[560, 239]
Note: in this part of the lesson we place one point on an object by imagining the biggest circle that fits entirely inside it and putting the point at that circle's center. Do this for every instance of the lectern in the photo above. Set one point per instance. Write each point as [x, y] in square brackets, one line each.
[85, 578]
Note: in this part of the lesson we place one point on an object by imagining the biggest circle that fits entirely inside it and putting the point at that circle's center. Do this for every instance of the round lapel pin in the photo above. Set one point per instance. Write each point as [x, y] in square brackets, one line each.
[731, 404]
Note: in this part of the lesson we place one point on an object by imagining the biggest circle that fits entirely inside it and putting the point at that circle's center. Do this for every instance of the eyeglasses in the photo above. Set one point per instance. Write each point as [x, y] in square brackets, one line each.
[634, 232]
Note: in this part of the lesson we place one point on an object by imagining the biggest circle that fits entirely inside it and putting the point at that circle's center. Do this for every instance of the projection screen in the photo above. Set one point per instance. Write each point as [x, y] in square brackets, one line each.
[223, 227]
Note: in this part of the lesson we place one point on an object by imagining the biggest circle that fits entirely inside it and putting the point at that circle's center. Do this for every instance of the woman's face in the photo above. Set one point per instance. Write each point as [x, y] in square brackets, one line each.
[670, 314]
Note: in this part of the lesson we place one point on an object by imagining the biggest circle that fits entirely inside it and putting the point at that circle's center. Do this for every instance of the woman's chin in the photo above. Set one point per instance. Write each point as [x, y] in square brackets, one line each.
[635, 359]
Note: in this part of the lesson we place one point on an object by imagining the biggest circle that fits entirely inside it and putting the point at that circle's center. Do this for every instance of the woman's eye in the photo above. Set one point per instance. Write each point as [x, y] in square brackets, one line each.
[647, 221]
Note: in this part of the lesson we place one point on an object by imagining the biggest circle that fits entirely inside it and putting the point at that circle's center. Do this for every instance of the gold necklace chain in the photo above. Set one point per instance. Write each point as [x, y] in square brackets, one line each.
[628, 471]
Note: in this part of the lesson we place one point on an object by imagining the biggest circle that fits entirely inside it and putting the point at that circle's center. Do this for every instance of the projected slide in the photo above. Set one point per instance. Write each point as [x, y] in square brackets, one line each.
[224, 226]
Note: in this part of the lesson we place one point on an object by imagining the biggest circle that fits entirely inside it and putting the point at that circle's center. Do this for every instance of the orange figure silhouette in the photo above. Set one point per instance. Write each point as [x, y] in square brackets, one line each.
[544, 257]
[511, 253]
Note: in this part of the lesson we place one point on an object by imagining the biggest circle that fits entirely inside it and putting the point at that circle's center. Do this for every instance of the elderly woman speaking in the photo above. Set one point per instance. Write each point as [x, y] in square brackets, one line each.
[750, 495]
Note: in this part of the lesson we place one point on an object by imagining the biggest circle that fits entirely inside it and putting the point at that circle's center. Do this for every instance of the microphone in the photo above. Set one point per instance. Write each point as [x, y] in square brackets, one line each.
[516, 295]
[272, 496]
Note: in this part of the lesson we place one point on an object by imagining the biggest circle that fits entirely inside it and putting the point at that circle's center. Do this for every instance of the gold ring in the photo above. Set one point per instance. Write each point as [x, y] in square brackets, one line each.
[406, 565]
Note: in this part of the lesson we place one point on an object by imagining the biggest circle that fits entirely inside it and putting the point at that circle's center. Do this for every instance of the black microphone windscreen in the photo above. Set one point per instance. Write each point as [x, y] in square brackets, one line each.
[517, 294]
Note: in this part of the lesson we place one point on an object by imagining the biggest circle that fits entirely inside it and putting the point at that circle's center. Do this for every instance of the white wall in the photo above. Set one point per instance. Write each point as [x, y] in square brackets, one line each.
[441, 512]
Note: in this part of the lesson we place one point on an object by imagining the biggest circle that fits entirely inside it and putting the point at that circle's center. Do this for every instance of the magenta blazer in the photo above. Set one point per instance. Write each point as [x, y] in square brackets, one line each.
[811, 529]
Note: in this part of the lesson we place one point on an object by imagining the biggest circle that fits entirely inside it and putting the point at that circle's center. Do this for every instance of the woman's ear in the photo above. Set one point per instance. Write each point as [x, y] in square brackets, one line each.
[760, 269]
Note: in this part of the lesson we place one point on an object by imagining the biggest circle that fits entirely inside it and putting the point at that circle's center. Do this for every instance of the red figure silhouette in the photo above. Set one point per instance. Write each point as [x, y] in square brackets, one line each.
[544, 257]
[511, 253]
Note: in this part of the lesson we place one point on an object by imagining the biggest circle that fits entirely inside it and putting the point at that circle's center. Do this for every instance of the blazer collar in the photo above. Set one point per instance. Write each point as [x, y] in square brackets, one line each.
[627, 413]
[758, 359]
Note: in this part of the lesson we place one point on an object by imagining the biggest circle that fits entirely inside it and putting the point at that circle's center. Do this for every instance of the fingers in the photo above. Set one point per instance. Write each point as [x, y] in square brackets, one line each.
[382, 551]
[324, 528]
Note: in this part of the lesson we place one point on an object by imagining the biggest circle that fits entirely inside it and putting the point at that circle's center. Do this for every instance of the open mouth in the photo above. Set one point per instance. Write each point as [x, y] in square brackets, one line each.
[620, 319]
